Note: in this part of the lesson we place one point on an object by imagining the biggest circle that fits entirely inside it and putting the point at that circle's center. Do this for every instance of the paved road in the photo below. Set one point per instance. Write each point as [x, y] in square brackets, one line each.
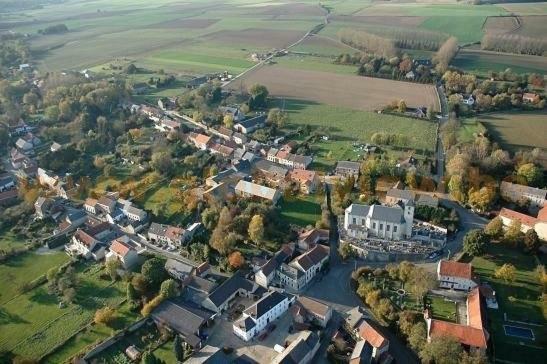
[440, 155]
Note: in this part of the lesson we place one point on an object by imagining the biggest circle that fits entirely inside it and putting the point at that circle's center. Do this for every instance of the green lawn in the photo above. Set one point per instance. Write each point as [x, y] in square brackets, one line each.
[442, 309]
[24, 269]
[520, 300]
[166, 352]
[9, 240]
[517, 130]
[33, 323]
[481, 63]
[301, 210]
[469, 129]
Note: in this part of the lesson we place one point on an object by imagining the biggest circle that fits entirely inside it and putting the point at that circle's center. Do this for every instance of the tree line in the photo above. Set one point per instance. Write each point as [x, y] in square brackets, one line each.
[368, 42]
[512, 43]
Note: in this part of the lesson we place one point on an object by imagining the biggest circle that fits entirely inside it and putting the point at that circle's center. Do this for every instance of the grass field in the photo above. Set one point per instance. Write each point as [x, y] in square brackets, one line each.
[33, 323]
[24, 269]
[91, 336]
[481, 62]
[521, 300]
[469, 129]
[9, 240]
[517, 130]
[302, 210]
[442, 309]
[342, 90]
[524, 8]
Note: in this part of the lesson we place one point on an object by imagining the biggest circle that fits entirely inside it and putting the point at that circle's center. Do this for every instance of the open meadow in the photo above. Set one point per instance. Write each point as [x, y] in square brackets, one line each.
[351, 91]
[481, 62]
[517, 130]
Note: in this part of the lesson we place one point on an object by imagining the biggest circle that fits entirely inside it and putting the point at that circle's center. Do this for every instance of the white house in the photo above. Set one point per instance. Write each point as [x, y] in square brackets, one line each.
[393, 223]
[86, 245]
[122, 250]
[267, 272]
[258, 316]
[133, 213]
[53, 182]
[455, 275]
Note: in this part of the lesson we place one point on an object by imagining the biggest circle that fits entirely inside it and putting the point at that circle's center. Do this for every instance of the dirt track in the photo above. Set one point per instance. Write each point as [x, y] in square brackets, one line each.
[356, 92]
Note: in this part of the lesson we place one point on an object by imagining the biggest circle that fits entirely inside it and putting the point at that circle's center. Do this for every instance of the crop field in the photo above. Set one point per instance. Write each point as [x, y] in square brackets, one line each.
[356, 92]
[529, 26]
[517, 130]
[324, 46]
[531, 8]
[480, 62]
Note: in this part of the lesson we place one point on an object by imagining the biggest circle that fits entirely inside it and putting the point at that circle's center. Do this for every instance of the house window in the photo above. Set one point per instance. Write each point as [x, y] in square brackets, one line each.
[388, 227]
[374, 225]
[394, 228]
[381, 226]
[354, 221]
[362, 221]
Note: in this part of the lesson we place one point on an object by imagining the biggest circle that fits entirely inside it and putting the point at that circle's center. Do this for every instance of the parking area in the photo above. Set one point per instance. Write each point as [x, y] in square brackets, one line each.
[262, 351]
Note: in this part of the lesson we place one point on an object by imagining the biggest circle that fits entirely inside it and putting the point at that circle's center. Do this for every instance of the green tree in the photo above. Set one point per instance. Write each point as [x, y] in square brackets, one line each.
[531, 173]
[417, 338]
[178, 349]
[475, 242]
[421, 282]
[162, 163]
[112, 266]
[441, 350]
[494, 229]
[149, 358]
[131, 294]
[531, 242]
[153, 270]
[259, 95]
[346, 251]
[140, 283]
[513, 233]
[169, 288]
[506, 272]
[256, 229]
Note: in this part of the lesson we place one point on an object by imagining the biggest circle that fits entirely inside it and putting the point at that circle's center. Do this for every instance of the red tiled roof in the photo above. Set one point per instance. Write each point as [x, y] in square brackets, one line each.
[514, 215]
[120, 248]
[174, 233]
[202, 139]
[313, 235]
[84, 238]
[455, 269]
[312, 257]
[302, 175]
[466, 335]
[473, 334]
[371, 335]
[542, 214]
[203, 267]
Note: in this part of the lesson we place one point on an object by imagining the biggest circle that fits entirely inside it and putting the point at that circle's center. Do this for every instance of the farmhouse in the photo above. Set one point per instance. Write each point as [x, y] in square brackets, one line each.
[518, 193]
[85, 245]
[259, 315]
[309, 238]
[362, 353]
[393, 223]
[538, 224]
[201, 141]
[223, 150]
[53, 182]
[301, 350]
[346, 169]
[309, 310]
[455, 275]
[267, 272]
[220, 299]
[172, 235]
[185, 320]
[424, 199]
[233, 111]
[530, 98]
[379, 343]
[249, 189]
[27, 143]
[306, 180]
[122, 249]
[249, 125]
[178, 270]
[471, 334]
[298, 273]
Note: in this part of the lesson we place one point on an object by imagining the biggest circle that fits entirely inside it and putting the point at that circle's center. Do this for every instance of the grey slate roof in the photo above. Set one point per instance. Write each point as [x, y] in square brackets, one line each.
[400, 194]
[358, 209]
[265, 304]
[229, 287]
[385, 213]
[296, 352]
[246, 323]
[180, 316]
[348, 165]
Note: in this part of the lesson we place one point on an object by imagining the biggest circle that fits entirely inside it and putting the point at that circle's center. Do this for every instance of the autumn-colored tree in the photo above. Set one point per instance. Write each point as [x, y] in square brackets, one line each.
[256, 229]
[105, 316]
[494, 228]
[513, 232]
[228, 121]
[236, 260]
[506, 272]
[481, 199]
[150, 306]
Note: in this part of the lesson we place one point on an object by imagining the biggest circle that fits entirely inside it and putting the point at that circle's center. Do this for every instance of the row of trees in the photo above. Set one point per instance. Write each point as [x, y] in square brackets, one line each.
[368, 42]
[513, 43]
[445, 54]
